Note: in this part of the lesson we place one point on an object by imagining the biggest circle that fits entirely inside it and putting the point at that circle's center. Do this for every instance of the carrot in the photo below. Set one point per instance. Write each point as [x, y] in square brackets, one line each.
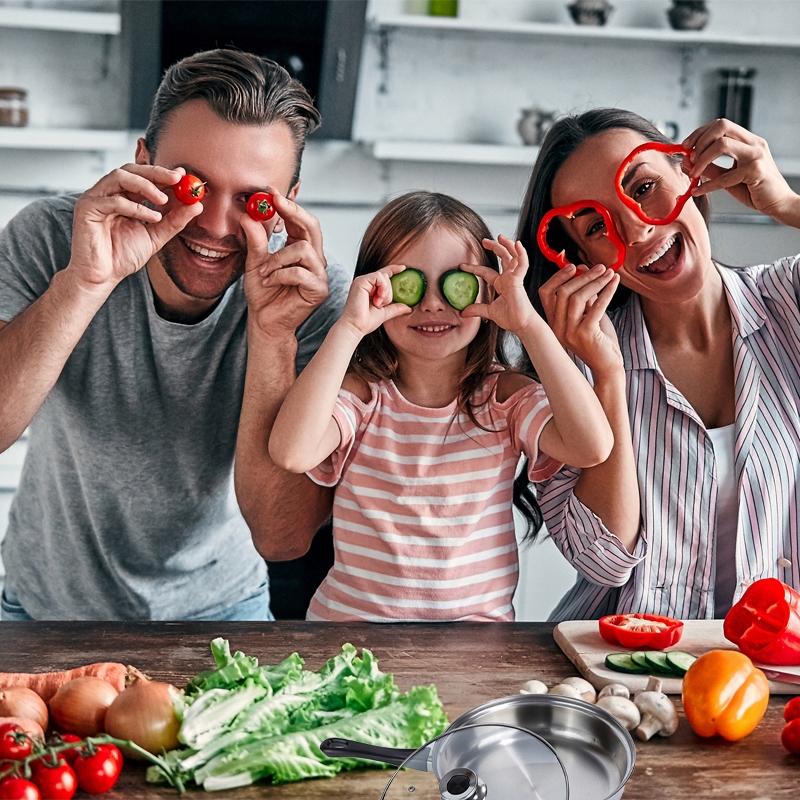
[28, 725]
[46, 684]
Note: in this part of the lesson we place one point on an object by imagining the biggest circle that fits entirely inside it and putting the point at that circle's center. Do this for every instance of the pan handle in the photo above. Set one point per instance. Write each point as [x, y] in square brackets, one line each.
[347, 748]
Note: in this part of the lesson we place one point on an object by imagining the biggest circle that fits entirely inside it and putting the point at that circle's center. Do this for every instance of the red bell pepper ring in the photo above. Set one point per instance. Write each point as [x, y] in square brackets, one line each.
[660, 147]
[641, 630]
[765, 623]
[569, 212]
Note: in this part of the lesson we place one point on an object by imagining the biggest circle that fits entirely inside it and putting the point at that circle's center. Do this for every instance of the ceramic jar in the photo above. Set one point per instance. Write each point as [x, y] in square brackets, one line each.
[688, 15]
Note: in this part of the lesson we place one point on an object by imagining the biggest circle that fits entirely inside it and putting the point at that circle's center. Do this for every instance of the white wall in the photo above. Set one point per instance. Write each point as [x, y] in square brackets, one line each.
[444, 88]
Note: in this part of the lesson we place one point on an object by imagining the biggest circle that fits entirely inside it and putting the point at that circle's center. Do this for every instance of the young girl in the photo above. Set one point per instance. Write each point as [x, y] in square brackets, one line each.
[408, 413]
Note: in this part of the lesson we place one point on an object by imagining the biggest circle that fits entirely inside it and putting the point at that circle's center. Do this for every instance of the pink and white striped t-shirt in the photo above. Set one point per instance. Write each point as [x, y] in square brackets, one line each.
[423, 525]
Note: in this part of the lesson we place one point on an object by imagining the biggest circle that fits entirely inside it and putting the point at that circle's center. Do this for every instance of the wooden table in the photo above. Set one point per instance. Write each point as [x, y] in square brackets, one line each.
[469, 663]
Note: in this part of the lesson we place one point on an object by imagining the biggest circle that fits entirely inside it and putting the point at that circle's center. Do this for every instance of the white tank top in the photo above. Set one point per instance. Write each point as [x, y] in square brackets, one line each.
[727, 519]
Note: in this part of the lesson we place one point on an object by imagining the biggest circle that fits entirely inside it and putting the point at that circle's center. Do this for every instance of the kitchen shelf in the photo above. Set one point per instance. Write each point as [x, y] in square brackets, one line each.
[62, 139]
[585, 32]
[58, 20]
[490, 154]
[454, 152]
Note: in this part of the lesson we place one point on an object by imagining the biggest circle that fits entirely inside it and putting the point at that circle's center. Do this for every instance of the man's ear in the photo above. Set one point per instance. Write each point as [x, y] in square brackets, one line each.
[142, 153]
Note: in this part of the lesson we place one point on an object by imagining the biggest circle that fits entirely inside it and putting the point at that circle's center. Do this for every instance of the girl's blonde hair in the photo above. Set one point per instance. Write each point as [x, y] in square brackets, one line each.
[394, 227]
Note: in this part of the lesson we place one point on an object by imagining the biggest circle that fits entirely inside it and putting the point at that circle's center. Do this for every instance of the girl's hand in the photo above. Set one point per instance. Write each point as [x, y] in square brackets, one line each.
[508, 304]
[754, 179]
[575, 305]
[369, 303]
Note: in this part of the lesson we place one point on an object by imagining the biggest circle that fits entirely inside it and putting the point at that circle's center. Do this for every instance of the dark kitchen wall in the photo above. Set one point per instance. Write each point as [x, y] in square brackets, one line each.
[317, 41]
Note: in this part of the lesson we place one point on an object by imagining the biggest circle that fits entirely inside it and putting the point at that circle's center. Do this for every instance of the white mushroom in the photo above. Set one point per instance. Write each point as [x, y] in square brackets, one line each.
[615, 690]
[533, 687]
[658, 714]
[565, 690]
[586, 690]
[622, 708]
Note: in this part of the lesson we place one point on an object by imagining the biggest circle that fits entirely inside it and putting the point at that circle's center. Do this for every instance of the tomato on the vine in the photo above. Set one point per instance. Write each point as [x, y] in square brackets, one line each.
[70, 755]
[261, 207]
[190, 189]
[98, 772]
[18, 789]
[14, 744]
[55, 782]
[792, 709]
[790, 736]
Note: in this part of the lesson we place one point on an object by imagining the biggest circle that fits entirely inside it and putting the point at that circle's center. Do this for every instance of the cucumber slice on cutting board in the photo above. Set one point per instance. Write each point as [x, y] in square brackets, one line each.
[658, 664]
[680, 661]
[408, 286]
[622, 662]
[459, 288]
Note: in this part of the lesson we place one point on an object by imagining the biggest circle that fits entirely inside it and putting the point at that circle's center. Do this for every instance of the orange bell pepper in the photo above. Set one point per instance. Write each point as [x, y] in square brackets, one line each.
[725, 695]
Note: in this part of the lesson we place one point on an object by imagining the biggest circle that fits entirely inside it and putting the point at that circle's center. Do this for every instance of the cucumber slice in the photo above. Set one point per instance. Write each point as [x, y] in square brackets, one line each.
[408, 286]
[622, 662]
[459, 288]
[658, 664]
[680, 661]
[640, 659]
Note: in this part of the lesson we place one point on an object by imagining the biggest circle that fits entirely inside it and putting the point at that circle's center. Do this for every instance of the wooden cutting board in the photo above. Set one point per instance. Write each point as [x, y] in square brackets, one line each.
[581, 642]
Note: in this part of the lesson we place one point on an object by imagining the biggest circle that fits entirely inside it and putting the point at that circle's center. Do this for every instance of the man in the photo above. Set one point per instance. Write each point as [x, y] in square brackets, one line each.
[147, 344]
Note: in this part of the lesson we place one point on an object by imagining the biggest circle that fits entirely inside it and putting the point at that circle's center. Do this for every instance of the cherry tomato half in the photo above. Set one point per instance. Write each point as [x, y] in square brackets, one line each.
[190, 189]
[260, 206]
[14, 743]
[98, 772]
[55, 782]
[19, 789]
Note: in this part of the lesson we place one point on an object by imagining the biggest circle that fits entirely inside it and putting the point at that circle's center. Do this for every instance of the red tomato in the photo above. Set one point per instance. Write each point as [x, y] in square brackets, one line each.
[70, 755]
[790, 736]
[98, 772]
[13, 743]
[190, 189]
[18, 789]
[54, 782]
[260, 206]
[792, 709]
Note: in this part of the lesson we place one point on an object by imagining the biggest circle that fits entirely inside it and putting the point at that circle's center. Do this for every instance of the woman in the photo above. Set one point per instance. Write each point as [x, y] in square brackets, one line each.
[700, 373]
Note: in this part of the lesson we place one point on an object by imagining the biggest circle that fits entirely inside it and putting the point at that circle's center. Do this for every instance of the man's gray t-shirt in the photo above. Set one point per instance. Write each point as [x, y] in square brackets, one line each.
[125, 507]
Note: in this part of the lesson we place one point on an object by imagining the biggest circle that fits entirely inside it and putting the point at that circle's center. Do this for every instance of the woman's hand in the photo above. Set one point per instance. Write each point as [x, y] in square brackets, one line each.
[754, 179]
[507, 304]
[115, 232]
[369, 303]
[575, 304]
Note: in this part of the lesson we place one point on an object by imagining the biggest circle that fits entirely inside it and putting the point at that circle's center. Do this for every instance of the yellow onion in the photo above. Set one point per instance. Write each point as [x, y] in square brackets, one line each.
[144, 714]
[19, 701]
[80, 705]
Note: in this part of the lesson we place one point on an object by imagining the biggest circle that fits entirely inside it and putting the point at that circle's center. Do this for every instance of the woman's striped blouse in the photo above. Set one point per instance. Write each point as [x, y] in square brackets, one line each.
[423, 525]
[672, 569]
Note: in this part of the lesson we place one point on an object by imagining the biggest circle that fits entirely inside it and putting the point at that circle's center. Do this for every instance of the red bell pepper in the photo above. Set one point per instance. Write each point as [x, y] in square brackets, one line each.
[569, 211]
[641, 630]
[660, 147]
[765, 623]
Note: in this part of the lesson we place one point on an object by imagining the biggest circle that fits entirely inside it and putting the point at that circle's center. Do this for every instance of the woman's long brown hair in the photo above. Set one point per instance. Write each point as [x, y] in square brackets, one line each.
[393, 228]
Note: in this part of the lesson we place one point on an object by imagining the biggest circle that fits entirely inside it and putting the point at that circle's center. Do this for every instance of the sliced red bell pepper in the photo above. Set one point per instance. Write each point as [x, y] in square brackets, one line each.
[680, 202]
[765, 623]
[641, 630]
[569, 212]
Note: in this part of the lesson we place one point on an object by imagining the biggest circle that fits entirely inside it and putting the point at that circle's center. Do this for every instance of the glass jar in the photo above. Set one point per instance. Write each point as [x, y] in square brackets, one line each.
[13, 107]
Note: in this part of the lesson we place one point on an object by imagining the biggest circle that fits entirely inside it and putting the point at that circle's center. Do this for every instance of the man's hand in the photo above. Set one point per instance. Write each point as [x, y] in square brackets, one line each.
[284, 287]
[114, 233]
